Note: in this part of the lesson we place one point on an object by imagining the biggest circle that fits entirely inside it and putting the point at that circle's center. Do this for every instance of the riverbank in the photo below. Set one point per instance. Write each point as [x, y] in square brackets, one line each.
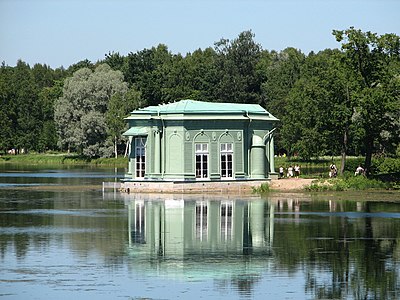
[62, 159]
[290, 184]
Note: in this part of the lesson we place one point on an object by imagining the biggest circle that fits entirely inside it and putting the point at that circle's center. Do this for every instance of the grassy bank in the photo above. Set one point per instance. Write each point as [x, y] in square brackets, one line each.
[385, 173]
[318, 167]
[61, 159]
[355, 183]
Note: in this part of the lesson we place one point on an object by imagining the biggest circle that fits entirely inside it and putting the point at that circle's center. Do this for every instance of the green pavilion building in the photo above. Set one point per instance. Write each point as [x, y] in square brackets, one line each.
[191, 141]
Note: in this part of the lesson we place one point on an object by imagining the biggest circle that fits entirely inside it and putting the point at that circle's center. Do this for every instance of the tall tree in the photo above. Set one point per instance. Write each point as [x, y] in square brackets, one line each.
[119, 107]
[7, 108]
[192, 77]
[80, 112]
[47, 97]
[320, 108]
[147, 70]
[280, 71]
[237, 61]
[374, 61]
[25, 96]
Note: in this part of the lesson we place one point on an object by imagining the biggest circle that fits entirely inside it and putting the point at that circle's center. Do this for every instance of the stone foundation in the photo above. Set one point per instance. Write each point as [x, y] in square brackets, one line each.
[191, 187]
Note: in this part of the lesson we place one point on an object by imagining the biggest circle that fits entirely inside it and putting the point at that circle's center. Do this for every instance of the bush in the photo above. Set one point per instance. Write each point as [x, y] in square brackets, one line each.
[349, 183]
[262, 189]
[352, 164]
[386, 165]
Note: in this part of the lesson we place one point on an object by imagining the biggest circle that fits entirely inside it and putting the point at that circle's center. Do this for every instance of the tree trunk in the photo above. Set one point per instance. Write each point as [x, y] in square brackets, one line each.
[344, 151]
[115, 147]
[368, 155]
[126, 149]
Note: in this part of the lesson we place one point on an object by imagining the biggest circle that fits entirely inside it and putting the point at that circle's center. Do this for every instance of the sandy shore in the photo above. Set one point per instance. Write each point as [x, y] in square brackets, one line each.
[290, 184]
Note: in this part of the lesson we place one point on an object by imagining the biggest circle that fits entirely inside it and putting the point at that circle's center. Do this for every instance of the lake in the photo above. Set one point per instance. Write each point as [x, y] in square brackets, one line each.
[61, 237]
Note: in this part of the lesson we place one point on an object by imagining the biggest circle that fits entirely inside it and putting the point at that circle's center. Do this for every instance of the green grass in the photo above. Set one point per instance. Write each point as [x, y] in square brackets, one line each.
[61, 158]
[353, 183]
[385, 173]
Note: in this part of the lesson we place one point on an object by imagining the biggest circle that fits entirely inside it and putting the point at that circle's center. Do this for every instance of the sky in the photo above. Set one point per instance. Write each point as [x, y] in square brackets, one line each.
[63, 32]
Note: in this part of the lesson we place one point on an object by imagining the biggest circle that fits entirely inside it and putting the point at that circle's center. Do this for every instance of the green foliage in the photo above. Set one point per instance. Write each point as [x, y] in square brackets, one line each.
[262, 189]
[348, 183]
[386, 165]
[80, 114]
[352, 164]
[374, 62]
[61, 158]
[334, 102]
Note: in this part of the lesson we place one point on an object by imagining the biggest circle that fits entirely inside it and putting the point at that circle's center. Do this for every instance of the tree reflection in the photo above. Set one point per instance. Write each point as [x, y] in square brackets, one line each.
[343, 248]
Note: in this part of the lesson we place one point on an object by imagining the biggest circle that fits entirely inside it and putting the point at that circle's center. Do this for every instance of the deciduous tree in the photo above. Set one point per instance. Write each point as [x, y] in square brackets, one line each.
[80, 112]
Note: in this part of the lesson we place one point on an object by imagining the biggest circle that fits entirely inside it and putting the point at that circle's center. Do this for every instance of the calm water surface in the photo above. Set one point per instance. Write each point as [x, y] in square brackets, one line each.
[61, 237]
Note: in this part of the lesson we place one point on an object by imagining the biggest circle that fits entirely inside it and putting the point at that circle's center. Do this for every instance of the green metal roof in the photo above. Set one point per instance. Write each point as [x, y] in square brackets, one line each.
[135, 131]
[201, 107]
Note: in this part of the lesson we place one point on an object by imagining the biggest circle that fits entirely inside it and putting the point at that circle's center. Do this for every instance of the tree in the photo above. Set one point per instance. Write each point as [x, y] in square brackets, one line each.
[374, 61]
[191, 77]
[237, 61]
[279, 72]
[147, 70]
[119, 107]
[27, 122]
[320, 108]
[7, 109]
[80, 112]
[47, 97]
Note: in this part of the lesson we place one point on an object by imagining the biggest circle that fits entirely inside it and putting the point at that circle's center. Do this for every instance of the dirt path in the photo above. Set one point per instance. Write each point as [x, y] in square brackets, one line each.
[290, 184]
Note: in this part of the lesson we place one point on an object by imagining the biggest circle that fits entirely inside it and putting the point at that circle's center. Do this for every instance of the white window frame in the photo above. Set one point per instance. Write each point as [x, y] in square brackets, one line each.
[201, 156]
[226, 220]
[140, 157]
[201, 217]
[226, 151]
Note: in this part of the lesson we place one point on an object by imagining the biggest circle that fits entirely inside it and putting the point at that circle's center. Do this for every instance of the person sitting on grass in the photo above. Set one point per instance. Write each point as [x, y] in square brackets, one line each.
[359, 171]
[333, 170]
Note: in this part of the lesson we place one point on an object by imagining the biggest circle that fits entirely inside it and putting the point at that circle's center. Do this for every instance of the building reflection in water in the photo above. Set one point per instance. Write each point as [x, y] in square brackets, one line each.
[189, 228]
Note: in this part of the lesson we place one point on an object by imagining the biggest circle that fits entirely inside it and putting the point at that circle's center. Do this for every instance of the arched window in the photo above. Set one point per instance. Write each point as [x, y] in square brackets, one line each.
[140, 156]
[226, 154]
[201, 158]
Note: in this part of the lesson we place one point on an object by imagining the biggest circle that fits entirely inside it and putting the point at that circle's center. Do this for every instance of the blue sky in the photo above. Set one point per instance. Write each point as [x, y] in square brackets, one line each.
[63, 32]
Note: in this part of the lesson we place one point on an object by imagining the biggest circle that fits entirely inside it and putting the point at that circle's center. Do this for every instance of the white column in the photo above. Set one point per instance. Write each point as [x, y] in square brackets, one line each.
[271, 155]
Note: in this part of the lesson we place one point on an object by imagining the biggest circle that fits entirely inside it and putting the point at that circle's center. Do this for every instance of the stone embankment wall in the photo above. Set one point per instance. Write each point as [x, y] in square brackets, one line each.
[231, 187]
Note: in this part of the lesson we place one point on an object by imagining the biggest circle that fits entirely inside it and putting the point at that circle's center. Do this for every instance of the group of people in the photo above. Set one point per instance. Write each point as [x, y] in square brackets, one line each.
[291, 171]
[333, 170]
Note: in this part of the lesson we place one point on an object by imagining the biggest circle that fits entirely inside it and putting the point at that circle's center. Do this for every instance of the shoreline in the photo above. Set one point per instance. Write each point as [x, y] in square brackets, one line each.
[290, 184]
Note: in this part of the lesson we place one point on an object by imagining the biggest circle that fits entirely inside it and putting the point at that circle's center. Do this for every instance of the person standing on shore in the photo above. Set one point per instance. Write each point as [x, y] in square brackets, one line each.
[297, 171]
[290, 171]
[281, 175]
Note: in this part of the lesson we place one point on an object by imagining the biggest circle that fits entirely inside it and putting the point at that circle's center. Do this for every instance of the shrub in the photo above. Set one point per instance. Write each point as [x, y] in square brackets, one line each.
[262, 189]
[386, 165]
[347, 184]
[353, 163]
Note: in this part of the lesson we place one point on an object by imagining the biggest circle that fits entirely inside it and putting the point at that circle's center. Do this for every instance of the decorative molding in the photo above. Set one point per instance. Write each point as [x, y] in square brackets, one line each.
[239, 136]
